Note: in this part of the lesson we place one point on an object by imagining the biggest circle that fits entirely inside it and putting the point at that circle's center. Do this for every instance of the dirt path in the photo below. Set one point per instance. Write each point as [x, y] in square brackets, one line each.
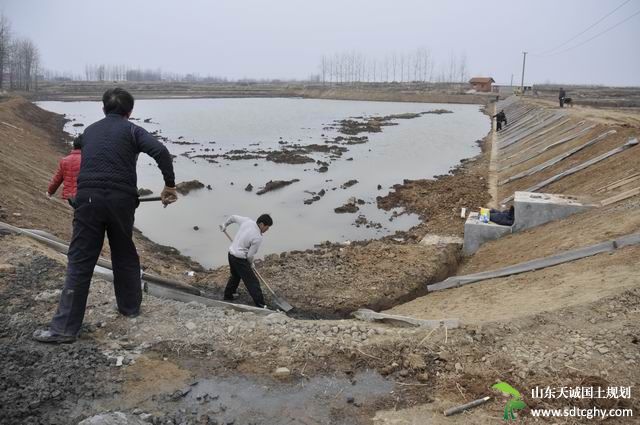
[493, 167]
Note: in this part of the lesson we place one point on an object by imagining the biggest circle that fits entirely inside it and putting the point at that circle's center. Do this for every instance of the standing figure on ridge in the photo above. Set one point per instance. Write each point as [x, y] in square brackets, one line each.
[67, 174]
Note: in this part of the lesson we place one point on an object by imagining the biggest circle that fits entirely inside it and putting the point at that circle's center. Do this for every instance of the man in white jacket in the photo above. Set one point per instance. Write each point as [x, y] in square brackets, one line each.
[242, 252]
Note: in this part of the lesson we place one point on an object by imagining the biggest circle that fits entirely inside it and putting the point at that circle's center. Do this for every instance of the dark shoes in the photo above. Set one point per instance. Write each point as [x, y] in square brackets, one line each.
[231, 298]
[45, 335]
[130, 316]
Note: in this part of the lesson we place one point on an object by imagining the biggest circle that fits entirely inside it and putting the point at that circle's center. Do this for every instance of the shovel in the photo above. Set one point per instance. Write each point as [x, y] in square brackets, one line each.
[283, 304]
[150, 198]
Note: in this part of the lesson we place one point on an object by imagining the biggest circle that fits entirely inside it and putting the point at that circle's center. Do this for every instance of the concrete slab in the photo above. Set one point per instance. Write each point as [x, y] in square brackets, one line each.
[533, 209]
[403, 321]
[431, 239]
[476, 233]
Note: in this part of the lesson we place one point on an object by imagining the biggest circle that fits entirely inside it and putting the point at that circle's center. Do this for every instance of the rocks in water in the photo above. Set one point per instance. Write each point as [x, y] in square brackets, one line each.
[349, 184]
[316, 197]
[349, 207]
[324, 166]
[209, 187]
[196, 228]
[379, 186]
[311, 200]
[363, 221]
[249, 187]
[275, 184]
[437, 112]
[78, 124]
[184, 188]
[287, 157]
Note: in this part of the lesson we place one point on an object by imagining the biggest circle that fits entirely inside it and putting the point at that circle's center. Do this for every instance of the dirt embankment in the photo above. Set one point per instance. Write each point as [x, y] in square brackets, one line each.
[32, 144]
[388, 92]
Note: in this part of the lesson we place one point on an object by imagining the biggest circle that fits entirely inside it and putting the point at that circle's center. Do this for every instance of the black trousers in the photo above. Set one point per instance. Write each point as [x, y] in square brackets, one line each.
[241, 269]
[97, 212]
[498, 125]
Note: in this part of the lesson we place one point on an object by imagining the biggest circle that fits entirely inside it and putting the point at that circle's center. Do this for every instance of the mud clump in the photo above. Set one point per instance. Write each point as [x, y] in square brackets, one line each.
[275, 184]
[438, 112]
[349, 207]
[287, 157]
[185, 187]
[363, 221]
[181, 142]
[351, 140]
[353, 127]
[357, 125]
[315, 197]
[349, 183]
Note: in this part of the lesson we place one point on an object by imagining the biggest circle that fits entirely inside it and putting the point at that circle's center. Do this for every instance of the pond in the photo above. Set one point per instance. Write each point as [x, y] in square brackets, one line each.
[207, 136]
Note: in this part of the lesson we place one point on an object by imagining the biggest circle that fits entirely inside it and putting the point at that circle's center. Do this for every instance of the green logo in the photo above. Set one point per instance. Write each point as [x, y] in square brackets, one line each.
[514, 403]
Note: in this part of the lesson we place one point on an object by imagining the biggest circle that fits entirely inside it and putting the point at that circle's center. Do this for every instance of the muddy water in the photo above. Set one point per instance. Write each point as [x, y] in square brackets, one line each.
[415, 148]
[313, 401]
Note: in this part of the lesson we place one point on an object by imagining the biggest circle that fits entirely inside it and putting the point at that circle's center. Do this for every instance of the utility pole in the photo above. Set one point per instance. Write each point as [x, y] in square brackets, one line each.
[511, 81]
[524, 61]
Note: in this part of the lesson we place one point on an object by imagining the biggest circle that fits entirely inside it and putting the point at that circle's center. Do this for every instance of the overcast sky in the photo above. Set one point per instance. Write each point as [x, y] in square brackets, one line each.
[287, 38]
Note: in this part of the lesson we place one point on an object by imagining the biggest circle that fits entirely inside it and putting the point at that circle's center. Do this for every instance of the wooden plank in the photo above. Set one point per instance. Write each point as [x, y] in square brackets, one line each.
[172, 294]
[403, 321]
[535, 145]
[63, 248]
[556, 159]
[630, 143]
[616, 184]
[543, 150]
[620, 196]
[538, 263]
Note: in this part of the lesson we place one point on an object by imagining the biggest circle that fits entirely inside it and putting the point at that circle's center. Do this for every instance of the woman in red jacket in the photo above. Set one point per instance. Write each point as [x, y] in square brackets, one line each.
[67, 173]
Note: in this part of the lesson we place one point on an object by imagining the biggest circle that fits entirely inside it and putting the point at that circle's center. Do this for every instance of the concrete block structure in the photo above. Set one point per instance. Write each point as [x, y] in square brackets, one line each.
[476, 233]
[533, 209]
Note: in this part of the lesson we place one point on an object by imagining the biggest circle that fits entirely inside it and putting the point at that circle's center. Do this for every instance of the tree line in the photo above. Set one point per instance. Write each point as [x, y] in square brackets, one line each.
[21, 69]
[416, 66]
[19, 60]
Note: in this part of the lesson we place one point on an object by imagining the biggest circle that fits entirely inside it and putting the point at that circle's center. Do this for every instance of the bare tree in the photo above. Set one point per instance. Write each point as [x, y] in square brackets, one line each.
[462, 68]
[394, 63]
[5, 41]
[323, 69]
[24, 64]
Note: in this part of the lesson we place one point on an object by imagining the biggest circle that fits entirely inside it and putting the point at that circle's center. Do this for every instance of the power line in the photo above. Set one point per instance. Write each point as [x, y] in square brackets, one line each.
[583, 31]
[597, 35]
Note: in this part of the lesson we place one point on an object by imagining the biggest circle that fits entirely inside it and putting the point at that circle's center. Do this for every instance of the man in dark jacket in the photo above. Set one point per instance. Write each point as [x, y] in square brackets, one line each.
[67, 174]
[561, 97]
[105, 202]
[500, 117]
